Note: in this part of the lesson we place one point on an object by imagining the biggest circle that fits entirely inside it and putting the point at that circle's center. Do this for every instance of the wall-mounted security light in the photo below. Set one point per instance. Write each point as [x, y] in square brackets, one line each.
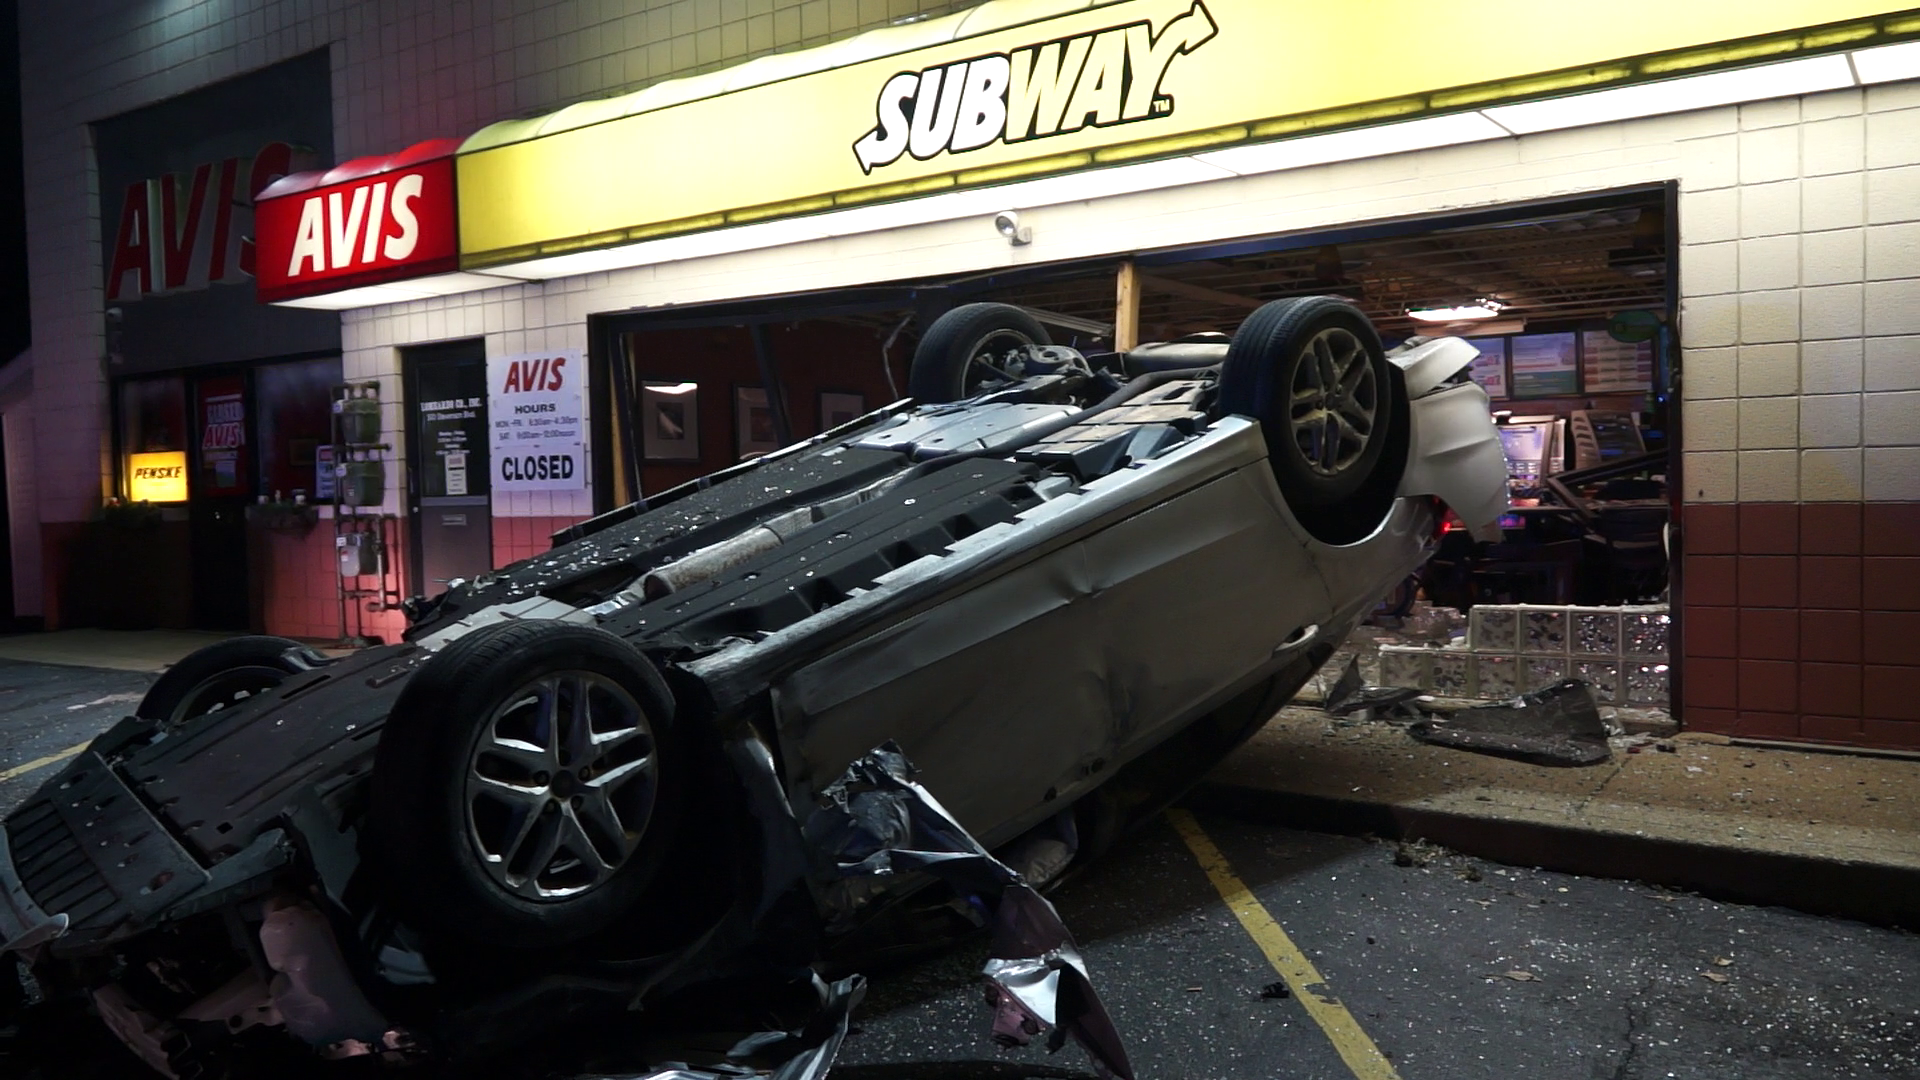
[1008, 224]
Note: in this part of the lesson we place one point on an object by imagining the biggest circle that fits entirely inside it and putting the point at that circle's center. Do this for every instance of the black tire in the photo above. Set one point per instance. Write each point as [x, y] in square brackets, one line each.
[435, 807]
[224, 674]
[943, 364]
[1285, 354]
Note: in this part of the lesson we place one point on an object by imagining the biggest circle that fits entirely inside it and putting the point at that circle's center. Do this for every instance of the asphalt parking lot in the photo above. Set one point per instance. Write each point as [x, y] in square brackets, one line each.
[1399, 962]
[1455, 968]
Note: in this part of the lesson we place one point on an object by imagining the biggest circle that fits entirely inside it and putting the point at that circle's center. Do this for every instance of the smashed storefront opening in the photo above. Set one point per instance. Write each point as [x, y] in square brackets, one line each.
[1569, 290]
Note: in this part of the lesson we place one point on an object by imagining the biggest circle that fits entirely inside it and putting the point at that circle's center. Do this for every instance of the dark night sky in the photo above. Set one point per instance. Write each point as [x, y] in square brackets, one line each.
[15, 333]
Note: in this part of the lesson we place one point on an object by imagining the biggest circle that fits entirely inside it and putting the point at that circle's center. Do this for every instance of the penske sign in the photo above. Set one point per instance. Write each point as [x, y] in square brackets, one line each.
[157, 477]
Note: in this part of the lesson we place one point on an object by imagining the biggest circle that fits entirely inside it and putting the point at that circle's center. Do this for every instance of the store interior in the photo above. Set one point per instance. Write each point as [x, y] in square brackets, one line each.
[1570, 303]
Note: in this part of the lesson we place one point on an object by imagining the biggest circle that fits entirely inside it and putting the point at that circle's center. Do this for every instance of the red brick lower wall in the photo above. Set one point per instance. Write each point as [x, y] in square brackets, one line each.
[516, 538]
[296, 581]
[1802, 621]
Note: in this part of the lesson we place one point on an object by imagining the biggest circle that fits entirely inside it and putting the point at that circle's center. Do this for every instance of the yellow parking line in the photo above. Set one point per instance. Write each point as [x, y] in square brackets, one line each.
[1352, 1044]
[43, 762]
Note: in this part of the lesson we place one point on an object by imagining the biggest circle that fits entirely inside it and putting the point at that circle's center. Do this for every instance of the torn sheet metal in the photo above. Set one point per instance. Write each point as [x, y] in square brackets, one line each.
[1558, 725]
[805, 1054]
[876, 823]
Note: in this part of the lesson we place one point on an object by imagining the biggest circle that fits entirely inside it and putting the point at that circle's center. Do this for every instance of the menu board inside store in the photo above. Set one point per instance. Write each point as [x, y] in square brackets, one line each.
[1615, 367]
[1545, 365]
[1490, 369]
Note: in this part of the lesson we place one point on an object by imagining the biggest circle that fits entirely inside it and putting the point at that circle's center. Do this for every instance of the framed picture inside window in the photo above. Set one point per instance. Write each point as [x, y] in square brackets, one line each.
[839, 407]
[753, 429]
[670, 421]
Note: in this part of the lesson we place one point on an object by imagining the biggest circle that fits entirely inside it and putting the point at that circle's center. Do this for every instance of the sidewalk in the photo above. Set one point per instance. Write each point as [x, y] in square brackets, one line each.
[120, 650]
[1828, 833]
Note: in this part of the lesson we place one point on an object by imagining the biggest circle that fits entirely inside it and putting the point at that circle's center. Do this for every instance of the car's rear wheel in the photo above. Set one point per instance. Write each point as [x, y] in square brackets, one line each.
[1312, 371]
[223, 675]
[963, 349]
[523, 789]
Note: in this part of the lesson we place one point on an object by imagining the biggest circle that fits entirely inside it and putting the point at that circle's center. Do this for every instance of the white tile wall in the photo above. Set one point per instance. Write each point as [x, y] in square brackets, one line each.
[1844, 322]
[1892, 363]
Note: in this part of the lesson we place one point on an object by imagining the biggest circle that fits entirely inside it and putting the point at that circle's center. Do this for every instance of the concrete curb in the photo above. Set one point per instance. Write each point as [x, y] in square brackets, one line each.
[1878, 893]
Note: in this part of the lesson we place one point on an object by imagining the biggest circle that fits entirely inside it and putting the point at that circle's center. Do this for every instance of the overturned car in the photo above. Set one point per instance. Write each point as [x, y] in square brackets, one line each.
[642, 767]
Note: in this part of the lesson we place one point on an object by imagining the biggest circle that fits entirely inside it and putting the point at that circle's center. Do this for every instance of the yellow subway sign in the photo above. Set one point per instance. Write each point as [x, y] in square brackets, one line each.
[1095, 79]
[1026, 87]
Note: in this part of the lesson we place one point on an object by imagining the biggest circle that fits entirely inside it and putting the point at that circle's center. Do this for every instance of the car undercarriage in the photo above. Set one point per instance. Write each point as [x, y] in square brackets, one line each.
[728, 744]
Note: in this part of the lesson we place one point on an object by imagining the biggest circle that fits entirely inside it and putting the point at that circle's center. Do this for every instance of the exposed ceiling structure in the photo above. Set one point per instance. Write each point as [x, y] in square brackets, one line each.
[1549, 268]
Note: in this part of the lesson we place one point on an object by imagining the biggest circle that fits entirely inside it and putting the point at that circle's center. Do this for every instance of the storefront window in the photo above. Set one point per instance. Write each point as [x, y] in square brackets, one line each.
[294, 401]
[223, 435]
[153, 415]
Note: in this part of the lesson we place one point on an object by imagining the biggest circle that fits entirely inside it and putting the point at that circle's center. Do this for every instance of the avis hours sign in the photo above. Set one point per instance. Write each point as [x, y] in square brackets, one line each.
[535, 410]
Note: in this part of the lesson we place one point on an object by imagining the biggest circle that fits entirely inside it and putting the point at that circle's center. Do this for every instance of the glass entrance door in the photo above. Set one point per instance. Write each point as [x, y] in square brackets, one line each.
[221, 485]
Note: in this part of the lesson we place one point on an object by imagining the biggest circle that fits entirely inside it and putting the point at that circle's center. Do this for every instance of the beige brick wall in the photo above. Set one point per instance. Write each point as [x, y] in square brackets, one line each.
[1800, 272]
[1800, 218]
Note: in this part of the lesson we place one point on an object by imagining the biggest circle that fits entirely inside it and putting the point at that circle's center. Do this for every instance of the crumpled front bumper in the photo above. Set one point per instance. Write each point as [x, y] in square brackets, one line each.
[22, 924]
[85, 859]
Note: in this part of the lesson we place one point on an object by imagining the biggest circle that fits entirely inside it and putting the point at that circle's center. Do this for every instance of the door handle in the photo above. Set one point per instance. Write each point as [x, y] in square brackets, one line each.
[1299, 637]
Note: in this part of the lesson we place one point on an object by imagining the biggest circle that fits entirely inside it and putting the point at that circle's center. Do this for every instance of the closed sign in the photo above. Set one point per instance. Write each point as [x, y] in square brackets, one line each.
[534, 410]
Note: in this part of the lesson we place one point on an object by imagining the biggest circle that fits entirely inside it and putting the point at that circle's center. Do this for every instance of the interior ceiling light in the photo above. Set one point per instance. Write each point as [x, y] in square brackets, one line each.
[1475, 309]
[1497, 327]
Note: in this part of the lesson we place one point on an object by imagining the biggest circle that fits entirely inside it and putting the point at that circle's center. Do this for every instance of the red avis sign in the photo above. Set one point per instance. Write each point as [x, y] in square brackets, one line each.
[366, 221]
[539, 373]
[186, 231]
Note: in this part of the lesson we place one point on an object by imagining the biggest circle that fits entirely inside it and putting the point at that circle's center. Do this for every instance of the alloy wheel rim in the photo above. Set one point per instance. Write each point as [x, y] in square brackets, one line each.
[1335, 398]
[561, 783]
[983, 359]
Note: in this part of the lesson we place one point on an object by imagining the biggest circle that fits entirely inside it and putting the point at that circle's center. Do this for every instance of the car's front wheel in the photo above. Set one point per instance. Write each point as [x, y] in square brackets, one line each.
[1312, 371]
[523, 788]
[964, 348]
